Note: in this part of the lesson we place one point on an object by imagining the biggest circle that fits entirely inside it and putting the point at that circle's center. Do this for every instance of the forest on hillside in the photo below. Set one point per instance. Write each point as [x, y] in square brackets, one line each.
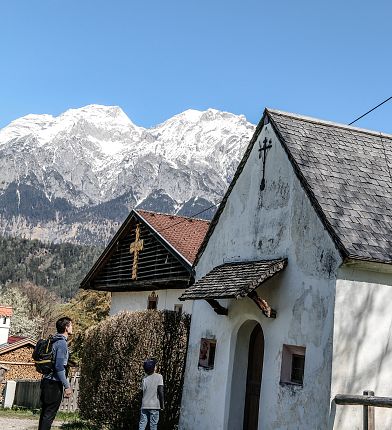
[58, 268]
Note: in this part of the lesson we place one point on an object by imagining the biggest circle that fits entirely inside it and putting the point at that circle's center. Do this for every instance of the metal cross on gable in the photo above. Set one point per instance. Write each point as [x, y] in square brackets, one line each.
[134, 249]
[263, 154]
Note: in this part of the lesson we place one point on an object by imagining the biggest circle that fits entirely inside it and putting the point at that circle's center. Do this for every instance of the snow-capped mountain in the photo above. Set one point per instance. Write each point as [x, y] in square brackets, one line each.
[76, 176]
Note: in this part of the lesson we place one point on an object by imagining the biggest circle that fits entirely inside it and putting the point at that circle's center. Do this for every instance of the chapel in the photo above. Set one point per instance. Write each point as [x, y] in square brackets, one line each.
[292, 299]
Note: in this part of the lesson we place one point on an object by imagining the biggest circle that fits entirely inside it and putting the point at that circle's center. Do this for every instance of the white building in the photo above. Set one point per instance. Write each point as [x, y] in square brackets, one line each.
[5, 323]
[305, 230]
[148, 263]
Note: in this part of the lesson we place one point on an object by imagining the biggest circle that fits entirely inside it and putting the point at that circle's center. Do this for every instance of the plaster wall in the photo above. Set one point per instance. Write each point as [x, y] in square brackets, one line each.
[276, 222]
[362, 340]
[138, 300]
[5, 323]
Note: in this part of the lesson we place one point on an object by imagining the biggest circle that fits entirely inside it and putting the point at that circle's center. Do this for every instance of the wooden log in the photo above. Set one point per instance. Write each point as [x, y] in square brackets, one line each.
[358, 400]
[218, 308]
[262, 305]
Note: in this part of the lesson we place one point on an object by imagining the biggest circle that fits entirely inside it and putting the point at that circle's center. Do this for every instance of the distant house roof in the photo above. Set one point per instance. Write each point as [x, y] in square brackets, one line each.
[170, 244]
[13, 339]
[347, 175]
[5, 311]
[7, 347]
[233, 280]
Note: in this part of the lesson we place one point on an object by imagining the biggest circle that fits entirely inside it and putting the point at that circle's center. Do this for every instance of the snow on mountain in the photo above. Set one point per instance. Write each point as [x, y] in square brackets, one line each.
[84, 159]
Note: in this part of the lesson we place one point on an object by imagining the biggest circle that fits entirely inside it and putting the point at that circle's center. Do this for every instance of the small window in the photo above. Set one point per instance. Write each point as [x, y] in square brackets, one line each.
[207, 353]
[178, 309]
[293, 365]
[297, 368]
[152, 301]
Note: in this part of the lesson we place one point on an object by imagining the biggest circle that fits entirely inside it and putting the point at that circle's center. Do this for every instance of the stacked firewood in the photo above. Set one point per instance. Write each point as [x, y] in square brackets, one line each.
[20, 364]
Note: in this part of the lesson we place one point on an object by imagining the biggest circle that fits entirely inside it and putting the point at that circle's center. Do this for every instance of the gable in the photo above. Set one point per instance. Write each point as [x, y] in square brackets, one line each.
[345, 173]
[158, 264]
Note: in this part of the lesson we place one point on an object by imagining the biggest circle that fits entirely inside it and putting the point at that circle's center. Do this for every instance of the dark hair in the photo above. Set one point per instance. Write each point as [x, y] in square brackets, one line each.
[62, 324]
[149, 365]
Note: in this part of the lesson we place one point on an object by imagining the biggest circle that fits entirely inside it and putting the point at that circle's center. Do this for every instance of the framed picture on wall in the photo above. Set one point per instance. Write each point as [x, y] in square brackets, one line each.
[207, 353]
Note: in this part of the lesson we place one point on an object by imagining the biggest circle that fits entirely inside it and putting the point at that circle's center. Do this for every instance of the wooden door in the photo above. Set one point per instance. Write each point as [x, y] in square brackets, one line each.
[253, 379]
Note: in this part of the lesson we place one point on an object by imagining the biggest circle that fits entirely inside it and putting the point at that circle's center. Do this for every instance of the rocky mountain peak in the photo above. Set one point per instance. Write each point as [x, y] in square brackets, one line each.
[94, 164]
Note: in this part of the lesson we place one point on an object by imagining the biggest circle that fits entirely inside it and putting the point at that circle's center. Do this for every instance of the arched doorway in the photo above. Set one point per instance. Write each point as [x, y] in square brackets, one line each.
[253, 379]
[247, 366]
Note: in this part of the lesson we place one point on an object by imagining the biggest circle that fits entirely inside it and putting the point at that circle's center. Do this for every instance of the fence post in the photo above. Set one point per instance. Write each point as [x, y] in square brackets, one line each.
[9, 396]
[368, 414]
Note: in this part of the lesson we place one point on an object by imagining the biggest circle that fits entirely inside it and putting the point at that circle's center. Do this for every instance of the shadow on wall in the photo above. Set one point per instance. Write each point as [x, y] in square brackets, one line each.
[356, 350]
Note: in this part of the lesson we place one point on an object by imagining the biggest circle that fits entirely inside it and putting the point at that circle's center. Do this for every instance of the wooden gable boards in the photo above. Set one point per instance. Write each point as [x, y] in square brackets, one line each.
[138, 258]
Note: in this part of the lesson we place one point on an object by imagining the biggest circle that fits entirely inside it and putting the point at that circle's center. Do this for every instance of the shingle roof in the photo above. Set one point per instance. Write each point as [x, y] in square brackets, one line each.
[183, 233]
[233, 280]
[347, 175]
[7, 347]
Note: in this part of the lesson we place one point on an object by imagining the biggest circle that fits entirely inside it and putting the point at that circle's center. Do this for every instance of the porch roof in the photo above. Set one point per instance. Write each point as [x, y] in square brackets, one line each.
[233, 280]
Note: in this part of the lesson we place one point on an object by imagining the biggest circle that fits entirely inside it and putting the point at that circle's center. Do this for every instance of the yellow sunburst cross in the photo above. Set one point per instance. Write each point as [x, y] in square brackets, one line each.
[134, 249]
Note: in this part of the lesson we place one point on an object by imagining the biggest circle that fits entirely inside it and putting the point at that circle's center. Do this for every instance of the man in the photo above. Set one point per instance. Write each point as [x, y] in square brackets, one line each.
[52, 385]
[153, 399]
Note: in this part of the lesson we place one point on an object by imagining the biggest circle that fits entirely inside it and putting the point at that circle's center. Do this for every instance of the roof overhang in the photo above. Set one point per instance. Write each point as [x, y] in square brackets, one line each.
[369, 265]
[234, 280]
[154, 284]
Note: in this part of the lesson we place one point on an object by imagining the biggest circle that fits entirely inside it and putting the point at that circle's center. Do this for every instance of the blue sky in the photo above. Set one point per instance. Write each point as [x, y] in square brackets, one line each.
[328, 59]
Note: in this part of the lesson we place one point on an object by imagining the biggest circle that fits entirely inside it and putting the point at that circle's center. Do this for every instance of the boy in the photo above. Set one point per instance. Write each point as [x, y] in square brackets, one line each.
[152, 396]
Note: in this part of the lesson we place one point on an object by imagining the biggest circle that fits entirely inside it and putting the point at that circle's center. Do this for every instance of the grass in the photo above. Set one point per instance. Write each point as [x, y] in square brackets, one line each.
[77, 425]
[71, 419]
[20, 413]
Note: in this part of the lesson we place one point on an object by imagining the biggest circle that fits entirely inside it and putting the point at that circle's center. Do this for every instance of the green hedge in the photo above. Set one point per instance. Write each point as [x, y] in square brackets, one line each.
[112, 367]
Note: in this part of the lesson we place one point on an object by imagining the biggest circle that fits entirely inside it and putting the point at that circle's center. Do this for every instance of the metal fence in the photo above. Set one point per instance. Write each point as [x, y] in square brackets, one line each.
[27, 394]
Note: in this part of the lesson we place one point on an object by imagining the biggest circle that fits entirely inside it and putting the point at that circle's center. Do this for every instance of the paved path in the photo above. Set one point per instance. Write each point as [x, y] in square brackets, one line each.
[7, 423]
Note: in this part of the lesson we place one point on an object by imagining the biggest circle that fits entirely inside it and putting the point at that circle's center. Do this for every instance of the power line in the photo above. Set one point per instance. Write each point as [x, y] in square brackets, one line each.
[371, 110]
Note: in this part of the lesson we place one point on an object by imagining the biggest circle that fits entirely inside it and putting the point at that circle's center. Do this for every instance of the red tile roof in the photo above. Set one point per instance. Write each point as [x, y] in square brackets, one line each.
[182, 233]
[13, 339]
[5, 311]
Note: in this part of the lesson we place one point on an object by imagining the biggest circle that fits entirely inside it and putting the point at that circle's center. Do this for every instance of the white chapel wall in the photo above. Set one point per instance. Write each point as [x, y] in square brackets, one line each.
[137, 301]
[278, 222]
[362, 343]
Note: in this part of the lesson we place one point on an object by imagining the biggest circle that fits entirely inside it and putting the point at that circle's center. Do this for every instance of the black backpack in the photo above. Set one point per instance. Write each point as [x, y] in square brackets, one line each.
[43, 355]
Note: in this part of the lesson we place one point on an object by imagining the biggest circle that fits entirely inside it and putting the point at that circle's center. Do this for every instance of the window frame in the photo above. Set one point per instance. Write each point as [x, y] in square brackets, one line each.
[287, 373]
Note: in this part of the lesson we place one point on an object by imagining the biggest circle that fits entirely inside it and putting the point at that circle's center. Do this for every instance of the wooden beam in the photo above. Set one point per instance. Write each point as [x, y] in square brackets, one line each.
[218, 308]
[352, 399]
[368, 413]
[262, 305]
